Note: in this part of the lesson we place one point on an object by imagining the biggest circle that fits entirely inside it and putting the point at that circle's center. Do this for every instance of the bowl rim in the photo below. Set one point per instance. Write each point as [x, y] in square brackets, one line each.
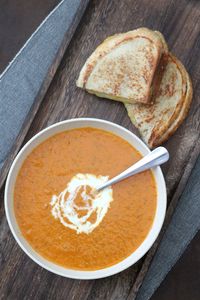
[72, 273]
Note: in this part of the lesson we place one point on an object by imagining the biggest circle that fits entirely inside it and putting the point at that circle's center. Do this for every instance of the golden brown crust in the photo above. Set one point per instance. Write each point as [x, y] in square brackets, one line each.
[181, 117]
[113, 42]
[162, 39]
[160, 68]
[160, 130]
[158, 77]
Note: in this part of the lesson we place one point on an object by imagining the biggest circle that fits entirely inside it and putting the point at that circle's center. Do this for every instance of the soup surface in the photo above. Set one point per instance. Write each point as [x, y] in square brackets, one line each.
[81, 230]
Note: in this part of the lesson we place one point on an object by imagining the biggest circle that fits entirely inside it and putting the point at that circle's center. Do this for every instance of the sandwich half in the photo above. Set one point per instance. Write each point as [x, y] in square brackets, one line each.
[157, 122]
[123, 67]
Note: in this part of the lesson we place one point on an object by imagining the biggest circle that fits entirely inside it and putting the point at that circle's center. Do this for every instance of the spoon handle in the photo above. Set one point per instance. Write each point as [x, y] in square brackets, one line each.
[155, 158]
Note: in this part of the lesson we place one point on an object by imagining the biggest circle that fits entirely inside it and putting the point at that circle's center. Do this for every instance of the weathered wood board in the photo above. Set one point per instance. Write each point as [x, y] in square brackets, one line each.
[179, 22]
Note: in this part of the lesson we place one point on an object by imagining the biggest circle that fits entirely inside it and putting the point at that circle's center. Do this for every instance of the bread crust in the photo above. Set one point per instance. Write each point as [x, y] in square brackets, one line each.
[160, 129]
[111, 43]
[161, 132]
[182, 115]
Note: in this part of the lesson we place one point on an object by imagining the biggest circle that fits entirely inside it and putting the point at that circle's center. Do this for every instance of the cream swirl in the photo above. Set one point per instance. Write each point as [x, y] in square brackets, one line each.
[79, 206]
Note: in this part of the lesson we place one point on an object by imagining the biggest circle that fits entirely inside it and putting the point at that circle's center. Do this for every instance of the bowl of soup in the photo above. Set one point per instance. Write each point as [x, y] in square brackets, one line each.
[59, 219]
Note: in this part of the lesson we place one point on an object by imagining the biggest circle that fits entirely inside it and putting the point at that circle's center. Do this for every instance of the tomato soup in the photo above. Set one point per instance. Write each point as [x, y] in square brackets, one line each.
[62, 216]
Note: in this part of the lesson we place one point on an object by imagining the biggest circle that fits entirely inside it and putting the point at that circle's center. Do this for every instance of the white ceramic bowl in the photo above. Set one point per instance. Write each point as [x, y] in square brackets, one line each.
[67, 125]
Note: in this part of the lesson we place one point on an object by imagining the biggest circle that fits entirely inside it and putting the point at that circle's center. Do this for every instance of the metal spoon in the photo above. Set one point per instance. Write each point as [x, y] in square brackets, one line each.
[155, 158]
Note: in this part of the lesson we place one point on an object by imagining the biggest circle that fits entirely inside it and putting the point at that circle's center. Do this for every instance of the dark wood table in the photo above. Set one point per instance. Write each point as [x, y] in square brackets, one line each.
[23, 279]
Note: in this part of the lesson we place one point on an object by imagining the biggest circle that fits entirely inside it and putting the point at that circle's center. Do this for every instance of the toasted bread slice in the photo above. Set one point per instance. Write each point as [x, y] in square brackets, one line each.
[182, 115]
[122, 68]
[157, 122]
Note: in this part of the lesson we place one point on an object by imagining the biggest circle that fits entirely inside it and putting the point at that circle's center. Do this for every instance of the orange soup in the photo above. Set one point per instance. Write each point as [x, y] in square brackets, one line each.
[62, 216]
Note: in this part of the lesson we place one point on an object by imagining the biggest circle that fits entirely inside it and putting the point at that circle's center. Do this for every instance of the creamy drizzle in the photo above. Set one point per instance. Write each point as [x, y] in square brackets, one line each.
[67, 211]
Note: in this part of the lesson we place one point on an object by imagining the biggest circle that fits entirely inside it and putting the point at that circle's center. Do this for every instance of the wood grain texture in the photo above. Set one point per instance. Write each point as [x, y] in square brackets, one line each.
[178, 20]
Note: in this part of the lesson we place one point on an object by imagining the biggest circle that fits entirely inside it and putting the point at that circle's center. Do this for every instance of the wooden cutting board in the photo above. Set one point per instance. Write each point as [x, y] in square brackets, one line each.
[179, 22]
